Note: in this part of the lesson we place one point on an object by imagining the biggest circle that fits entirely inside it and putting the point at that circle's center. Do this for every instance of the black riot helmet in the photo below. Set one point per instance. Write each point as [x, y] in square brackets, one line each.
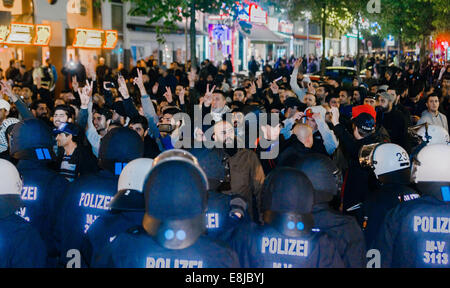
[216, 166]
[118, 147]
[287, 201]
[324, 175]
[175, 194]
[31, 139]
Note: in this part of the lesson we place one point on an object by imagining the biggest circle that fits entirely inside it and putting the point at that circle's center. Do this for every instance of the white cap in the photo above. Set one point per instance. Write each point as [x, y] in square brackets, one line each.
[432, 164]
[384, 158]
[436, 134]
[10, 181]
[4, 105]
[134, 174]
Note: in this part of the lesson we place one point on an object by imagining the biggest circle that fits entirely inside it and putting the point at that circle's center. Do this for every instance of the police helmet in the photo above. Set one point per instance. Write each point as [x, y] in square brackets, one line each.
[10, 188]
[324, 175]
[384, 158]
[430, 170]
[175, 194]
[118, 147]
[216, 166]
[130, 188]
[287, 201]
[31, 139]
[433, 134]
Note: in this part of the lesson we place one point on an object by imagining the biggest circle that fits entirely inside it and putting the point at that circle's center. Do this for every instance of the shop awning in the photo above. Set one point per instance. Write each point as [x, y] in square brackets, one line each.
[260, 33]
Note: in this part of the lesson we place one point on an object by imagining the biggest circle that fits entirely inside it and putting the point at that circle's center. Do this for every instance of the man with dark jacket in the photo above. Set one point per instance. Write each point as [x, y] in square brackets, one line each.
[392, 120]
[356, 183]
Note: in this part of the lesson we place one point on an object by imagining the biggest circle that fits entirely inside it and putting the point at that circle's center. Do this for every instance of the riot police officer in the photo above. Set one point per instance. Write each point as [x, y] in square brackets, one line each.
[287, 239]
[225, 212]
[90, 195]
[31, 143]
[173, 224]
[391, 165]
[127, 208]
[21, 245]
[417, 233]
[326, 180]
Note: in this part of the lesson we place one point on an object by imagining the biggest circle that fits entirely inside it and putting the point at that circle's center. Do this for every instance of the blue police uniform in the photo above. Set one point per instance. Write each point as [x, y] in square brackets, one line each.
[265, 247]
[31, 143]
[345, 231]
[90, 195]
[137, 249]
[88, 199]
[219, 223]
[105, 229]
[20, 244]
[377, 205]
[325, 178]
[416, 234]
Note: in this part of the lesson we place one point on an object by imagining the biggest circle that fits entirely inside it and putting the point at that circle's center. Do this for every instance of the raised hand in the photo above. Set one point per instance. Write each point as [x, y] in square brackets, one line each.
[138, 81]
[298, 116]
[7, 90]
[274, 87]
[181, 96]
[85, 94]
[123, 89]
[155, 88]
[298, 62]
[311, 88]
[253, 88]
[208, 95]
[168, 95]
[75, 84]
[334, 116]
[259, 82]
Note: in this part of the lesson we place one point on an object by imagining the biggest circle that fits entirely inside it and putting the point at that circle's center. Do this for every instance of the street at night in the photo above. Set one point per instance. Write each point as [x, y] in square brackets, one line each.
[224, 134]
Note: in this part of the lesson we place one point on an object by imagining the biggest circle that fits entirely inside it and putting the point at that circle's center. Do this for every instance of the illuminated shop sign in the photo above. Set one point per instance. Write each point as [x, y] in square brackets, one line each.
[111, 39]
[251, 12]
[43, 33]
[4, 31]
[20, 34]
[25, 34]
[95, 38]
[88, 38]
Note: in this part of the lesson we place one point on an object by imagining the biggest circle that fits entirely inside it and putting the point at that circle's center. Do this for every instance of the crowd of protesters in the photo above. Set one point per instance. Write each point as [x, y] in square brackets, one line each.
[330, 117]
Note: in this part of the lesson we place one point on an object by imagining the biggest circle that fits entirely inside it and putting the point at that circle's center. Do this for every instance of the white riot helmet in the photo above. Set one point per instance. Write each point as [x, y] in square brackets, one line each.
[433, 134]
[432, 164]
[431, 171]
[130, 188]
[384, 158]
[10, 188]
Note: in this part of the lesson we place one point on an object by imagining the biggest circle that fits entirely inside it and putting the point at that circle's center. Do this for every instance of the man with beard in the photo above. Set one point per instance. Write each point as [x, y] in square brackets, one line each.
[41, 111]
[246, 172]
[392, 120]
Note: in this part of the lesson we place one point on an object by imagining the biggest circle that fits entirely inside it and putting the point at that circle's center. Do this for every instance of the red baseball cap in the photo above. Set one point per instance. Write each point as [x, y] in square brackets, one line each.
[364, 109]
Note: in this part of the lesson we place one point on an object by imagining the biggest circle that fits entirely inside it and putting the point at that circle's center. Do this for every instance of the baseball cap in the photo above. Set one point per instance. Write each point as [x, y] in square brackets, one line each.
[68, 128]
[387, 96]
[371, 95]
[365, 122]
[4, 105]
